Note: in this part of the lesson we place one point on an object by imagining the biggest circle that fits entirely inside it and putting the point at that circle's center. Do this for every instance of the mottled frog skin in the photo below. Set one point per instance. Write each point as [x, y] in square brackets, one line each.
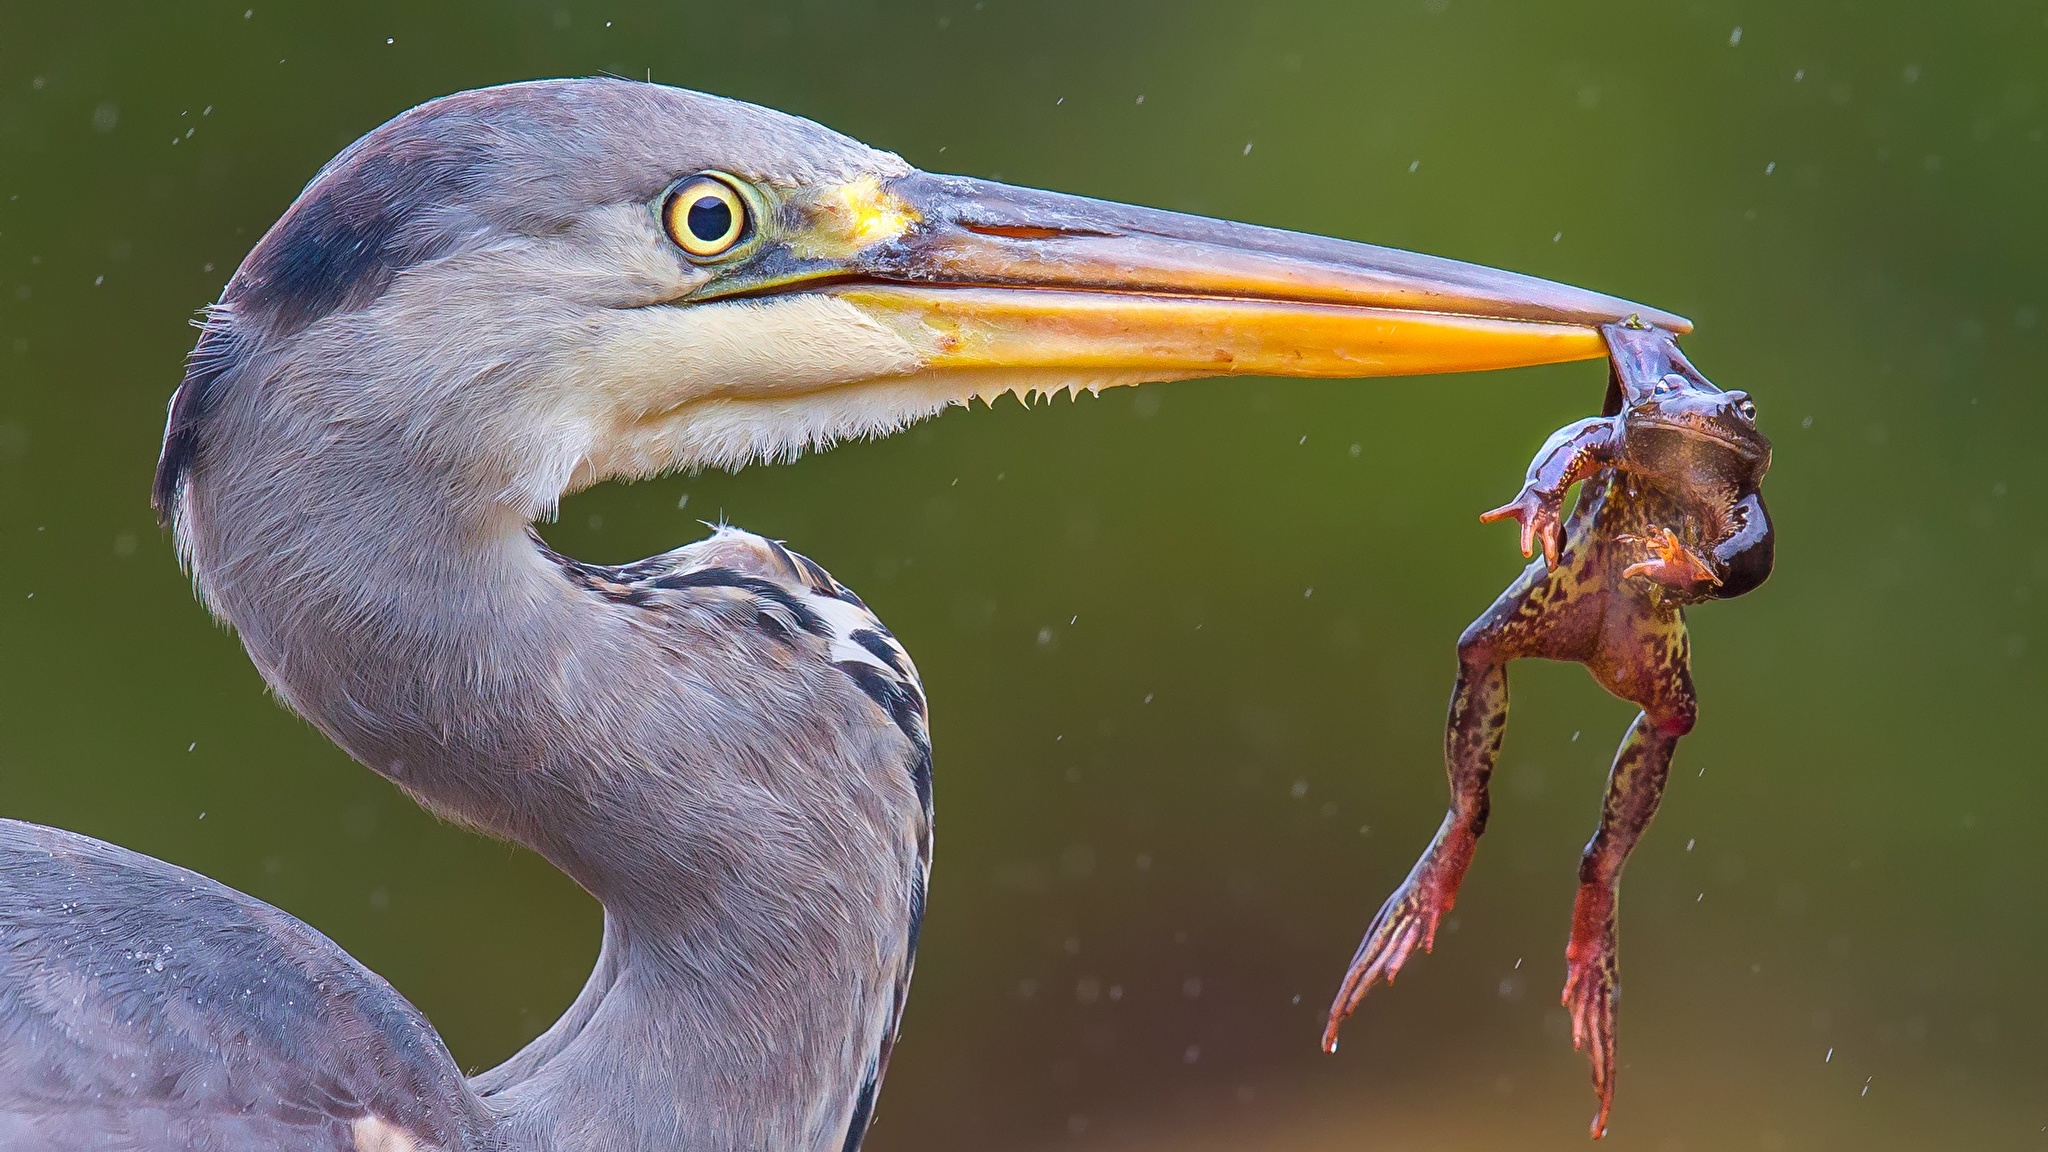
[1670, 515]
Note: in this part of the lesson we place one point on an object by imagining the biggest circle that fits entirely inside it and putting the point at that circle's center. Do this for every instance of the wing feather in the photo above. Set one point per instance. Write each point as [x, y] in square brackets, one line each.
[145, 1007]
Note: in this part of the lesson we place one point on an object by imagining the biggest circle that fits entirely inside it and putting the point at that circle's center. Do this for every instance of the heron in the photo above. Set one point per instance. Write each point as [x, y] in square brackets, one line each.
[507, 295]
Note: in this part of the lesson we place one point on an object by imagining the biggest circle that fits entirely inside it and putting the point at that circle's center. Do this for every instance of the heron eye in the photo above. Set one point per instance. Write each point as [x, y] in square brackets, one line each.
[705, 216]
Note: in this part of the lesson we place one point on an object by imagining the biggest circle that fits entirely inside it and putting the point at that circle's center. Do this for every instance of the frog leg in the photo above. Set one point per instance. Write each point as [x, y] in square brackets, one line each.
[1543, 613]
[1573, 453]
[1671, 563]
[1643, 659]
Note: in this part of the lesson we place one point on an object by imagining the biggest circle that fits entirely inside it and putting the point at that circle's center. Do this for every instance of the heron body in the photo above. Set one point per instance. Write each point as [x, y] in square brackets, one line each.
[507, 295]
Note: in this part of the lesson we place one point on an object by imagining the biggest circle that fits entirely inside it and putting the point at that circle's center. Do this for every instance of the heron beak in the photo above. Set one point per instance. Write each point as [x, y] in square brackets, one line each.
[980, 276]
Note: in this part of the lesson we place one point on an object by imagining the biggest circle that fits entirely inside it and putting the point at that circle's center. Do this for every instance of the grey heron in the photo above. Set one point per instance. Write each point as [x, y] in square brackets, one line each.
[507, 295]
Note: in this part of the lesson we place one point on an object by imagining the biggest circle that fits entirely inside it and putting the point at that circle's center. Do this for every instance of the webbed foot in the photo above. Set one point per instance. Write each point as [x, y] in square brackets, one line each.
[1589, 992]
[1408, 919]
[1671, 563]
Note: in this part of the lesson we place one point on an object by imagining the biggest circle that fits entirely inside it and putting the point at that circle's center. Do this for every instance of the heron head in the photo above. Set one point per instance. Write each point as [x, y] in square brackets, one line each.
[531, 288]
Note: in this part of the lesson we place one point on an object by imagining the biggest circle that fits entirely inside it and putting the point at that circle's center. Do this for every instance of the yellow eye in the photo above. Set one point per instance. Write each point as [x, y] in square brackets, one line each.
[705, 216]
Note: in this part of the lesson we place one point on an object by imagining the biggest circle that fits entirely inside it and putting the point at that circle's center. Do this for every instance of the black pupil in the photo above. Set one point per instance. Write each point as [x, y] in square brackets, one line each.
[710, 219]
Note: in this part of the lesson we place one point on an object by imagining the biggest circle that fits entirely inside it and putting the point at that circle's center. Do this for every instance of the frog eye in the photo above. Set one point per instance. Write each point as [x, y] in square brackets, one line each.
[1667, 385]
[705, 216]
[1747, 407]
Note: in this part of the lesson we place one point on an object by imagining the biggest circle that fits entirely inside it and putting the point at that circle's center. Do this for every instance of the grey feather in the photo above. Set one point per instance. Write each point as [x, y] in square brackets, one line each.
[145, 1007]
[737, 764]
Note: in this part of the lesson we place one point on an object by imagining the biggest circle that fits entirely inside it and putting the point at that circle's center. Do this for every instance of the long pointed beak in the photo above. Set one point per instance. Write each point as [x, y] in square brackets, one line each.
[982, 276]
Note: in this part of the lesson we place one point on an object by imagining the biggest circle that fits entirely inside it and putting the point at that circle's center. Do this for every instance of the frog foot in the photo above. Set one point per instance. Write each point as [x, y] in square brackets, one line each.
[1591, 966]
[1538, 516]
[1408, 919]
[1671, 563]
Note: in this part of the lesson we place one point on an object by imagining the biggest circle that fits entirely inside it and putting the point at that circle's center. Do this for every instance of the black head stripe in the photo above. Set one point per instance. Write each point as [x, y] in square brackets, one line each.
[379, 208]
[218, 352]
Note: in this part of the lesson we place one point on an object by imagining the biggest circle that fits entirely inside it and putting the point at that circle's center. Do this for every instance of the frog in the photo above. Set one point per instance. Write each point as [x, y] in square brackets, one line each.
[1670, 514]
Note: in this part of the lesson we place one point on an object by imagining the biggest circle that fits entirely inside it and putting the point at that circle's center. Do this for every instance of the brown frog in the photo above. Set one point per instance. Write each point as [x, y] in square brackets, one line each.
[1670, 515]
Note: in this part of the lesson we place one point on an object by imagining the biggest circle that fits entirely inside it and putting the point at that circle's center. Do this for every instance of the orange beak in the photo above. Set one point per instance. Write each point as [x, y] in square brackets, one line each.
[986, 277]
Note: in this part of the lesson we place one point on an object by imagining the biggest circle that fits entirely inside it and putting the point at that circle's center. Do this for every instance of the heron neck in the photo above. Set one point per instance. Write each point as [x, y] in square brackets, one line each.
[743, 980]
[595, 1079]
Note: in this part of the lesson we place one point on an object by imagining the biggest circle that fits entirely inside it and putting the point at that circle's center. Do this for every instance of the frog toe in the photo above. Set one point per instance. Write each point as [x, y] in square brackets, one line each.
[1538, 520]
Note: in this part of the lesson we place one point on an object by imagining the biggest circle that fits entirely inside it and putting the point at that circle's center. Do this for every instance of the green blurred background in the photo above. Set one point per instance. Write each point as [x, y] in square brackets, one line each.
[1188, 646]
